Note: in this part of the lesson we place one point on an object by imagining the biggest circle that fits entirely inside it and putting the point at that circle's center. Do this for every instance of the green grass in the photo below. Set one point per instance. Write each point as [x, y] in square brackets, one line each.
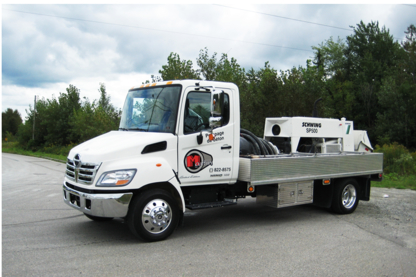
[398, 182]
[13, 148]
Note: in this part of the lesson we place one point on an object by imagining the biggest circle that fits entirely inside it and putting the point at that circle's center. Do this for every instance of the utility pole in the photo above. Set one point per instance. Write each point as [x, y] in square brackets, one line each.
[34, 117]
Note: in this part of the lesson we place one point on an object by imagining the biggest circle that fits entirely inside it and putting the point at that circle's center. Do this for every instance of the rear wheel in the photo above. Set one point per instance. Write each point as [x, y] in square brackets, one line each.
[153, 215]
[98, 218]
[345, 199]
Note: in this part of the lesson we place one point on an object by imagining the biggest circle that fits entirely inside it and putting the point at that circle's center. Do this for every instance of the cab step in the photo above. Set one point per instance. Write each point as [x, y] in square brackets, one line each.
[210, 205]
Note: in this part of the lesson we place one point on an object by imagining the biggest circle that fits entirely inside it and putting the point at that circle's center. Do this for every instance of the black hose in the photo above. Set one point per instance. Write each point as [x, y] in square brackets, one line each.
[258, 142]
[256, 148]
[272, 151]
[263, 150]
[266, 147]
[260, 146]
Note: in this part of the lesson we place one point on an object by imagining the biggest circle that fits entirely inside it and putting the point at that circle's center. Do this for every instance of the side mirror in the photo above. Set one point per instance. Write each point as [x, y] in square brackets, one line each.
[215, 122]
[217, 105]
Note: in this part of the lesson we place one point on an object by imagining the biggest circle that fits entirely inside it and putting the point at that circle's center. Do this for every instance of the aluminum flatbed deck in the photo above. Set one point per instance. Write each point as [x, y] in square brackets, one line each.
[263, 170]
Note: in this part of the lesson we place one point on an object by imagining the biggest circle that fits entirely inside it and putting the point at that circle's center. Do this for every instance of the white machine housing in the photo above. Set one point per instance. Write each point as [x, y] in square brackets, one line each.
[331, 135]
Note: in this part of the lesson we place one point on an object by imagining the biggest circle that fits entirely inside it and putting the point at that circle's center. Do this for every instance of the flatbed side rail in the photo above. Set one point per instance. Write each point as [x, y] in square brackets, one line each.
[263, 170]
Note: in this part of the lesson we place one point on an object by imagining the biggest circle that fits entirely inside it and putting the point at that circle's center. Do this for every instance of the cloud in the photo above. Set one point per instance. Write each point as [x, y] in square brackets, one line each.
[49, 50]
[21, 98]
[43, 54]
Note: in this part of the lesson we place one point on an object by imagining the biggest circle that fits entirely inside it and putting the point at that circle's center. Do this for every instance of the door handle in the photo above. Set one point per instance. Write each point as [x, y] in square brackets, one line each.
[225, 147]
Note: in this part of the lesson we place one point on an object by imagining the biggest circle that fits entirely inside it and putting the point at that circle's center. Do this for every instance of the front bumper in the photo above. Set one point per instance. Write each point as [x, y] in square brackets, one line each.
[99, 204]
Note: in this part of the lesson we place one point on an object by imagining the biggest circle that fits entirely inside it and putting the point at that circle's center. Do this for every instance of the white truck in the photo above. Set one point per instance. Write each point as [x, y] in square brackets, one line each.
[179, 146]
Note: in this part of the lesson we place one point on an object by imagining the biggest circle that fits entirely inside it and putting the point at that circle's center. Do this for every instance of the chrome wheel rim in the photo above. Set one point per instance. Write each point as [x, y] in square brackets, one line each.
[156, 216]
[349, 196]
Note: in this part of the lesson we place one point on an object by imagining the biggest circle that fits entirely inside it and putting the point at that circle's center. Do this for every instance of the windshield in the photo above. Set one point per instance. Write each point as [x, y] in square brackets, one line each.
[151, 109]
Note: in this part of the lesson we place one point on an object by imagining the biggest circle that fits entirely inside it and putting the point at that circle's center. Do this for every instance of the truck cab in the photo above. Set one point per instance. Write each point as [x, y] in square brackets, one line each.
[171, 136]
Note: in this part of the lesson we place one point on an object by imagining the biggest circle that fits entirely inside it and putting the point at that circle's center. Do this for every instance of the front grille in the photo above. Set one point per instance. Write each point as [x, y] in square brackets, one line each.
[81, 172]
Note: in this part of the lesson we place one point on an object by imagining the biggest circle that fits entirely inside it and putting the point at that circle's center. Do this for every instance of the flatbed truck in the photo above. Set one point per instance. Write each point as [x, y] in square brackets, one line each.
[180, 146]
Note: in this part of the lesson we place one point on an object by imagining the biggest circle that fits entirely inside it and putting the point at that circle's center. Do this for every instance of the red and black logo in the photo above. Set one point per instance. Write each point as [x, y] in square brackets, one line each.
[196, 160]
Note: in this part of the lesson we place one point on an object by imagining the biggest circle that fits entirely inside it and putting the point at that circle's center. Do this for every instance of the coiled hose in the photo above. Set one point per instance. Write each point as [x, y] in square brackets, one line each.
[260, 146]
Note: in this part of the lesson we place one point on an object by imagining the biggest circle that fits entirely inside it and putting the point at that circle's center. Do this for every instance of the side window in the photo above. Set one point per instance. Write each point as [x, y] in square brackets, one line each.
[226, 111]
[198, 111]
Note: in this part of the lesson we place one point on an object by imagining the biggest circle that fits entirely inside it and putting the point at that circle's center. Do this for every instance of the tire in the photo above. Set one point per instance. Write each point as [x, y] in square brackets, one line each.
[345, 198]
[153, 215]
[98, 218]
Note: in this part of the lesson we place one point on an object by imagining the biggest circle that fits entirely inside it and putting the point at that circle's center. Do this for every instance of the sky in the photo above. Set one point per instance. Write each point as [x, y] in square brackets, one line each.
[47, 47]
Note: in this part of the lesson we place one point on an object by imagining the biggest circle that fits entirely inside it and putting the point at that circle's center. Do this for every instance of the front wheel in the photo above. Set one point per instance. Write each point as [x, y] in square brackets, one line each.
[153, 215]
[345, 199]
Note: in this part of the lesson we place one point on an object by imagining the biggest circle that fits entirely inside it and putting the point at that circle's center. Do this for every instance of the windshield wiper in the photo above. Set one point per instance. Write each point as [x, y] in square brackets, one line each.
[137, 129]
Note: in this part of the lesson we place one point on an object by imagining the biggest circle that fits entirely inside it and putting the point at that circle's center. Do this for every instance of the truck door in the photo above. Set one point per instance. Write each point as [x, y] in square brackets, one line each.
[210, 162]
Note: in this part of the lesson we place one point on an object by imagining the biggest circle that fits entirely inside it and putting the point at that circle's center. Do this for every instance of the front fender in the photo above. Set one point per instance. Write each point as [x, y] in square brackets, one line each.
[150, 170]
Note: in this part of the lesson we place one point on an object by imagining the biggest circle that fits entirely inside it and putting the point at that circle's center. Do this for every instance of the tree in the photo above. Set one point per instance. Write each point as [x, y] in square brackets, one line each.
[91, 121]
[227, 70]
[262, 86]
[273, 94]
[10, 122]
[25, 134]
[396, 121]
[330, 56]
[105, 104]
[104, 101]
[177, 69]
[64, 120]
[94, 119]
[52, 117]
[58, 116]
[371, 52]
[409, 46]
[354, 72]
[208, 66]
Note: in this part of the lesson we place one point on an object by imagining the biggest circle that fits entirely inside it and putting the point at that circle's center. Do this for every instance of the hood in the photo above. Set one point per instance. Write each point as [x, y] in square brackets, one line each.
[118, 144]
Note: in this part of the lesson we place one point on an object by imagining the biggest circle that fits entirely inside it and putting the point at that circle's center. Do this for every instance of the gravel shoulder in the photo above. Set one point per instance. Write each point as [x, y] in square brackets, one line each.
[390, 214]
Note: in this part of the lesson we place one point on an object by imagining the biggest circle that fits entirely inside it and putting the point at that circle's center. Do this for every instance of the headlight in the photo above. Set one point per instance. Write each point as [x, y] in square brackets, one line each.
[116, 178]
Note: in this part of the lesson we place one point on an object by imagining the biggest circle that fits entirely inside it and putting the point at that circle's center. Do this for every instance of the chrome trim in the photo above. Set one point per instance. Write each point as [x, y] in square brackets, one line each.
[349, 196]
[100, 204]
[81, 172]
[156, 216]
[215, 121]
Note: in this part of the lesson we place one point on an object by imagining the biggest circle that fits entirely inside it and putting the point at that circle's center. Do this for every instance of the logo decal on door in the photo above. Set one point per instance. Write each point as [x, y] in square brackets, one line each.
[196, 160]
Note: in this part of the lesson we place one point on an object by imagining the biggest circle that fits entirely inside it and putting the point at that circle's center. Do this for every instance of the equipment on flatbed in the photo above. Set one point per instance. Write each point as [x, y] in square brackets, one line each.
[180, 147]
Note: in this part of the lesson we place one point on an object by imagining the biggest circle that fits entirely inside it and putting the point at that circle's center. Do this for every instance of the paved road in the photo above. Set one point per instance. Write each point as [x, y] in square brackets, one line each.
[44, 237]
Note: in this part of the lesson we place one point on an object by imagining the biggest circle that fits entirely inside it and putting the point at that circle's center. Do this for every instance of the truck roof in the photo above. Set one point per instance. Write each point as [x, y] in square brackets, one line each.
[188, 82]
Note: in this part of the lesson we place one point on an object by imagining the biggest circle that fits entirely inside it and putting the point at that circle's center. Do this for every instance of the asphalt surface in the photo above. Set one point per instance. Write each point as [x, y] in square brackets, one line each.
[42, 236]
